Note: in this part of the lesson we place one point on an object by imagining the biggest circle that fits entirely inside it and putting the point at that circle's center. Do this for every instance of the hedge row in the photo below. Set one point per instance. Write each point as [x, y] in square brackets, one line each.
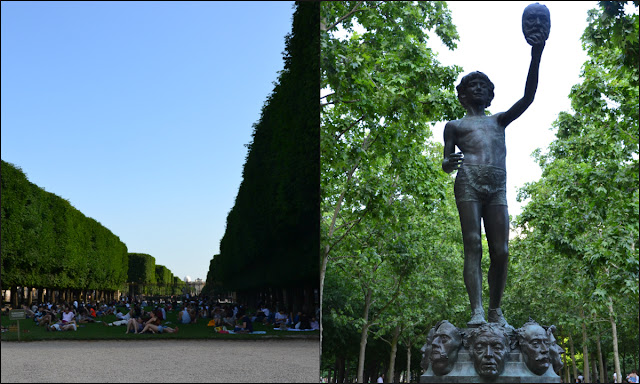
[46, 242]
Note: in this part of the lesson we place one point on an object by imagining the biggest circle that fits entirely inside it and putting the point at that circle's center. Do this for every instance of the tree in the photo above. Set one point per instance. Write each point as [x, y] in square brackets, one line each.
[585, 206]
[272, 234]
[384, 87]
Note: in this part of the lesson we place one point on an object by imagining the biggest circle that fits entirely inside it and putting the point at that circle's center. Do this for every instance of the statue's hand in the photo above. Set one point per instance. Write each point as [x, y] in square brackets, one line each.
[452, 162]
[537, 47]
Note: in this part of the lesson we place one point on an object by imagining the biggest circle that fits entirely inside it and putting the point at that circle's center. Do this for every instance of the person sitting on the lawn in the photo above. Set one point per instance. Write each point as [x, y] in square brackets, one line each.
[158, 313]
[67, 315]
[122, 316]
[28, 312]
[135, 325]
[92, 311]
[153, 325]
[48, 317]
[39, 313]
[193, 312]
[183, 316]
[314, 323]
[281, 318]
[244, 324]
[229, 317]
[261, 314]
[83, 317]
[304, 322]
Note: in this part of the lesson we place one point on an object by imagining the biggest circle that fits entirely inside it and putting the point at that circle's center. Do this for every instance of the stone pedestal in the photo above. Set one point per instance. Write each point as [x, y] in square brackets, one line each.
[515, 371]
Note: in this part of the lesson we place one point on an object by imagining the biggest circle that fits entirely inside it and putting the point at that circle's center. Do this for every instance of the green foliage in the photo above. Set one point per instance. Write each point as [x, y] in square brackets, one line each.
[586, 204]
[579, 229]
[272, 234]
[142, 268]
[388, 223]
[47, 243]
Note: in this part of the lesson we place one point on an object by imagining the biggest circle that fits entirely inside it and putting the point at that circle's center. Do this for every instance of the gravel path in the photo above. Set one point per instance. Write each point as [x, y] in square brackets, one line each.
[161, 361]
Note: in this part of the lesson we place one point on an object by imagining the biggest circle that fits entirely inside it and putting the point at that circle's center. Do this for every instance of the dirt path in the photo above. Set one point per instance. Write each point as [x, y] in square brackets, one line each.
[161, 361]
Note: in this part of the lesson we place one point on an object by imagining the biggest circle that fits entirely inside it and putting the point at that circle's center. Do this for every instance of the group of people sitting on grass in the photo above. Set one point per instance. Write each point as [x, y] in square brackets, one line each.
[282, 320]
[138, 320]
[134, 314]
[65, 317]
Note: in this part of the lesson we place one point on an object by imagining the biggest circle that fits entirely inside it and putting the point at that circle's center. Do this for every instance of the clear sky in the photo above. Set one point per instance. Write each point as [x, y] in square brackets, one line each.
[491, 41]
[137, 113]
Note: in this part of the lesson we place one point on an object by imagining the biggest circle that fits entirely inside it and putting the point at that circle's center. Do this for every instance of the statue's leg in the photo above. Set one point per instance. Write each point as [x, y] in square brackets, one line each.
[470, 215]
[496, 224]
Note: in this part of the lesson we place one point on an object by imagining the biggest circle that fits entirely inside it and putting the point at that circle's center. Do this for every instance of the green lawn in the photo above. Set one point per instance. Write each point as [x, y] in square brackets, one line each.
[29, 331]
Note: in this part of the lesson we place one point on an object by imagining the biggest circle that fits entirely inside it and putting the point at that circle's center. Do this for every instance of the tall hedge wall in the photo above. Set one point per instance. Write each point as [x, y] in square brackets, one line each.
[47, 243]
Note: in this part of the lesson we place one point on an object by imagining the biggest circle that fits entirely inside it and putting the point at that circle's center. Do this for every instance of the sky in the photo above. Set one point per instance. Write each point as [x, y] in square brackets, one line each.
[491, 41]
[138, 113]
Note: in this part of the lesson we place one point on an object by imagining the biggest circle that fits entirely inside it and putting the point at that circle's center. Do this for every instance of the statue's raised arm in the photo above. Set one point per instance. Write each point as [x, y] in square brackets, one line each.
[536, 23]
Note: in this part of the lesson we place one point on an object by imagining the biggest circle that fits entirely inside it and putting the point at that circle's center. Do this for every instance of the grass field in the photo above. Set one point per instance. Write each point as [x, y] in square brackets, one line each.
[30, 331]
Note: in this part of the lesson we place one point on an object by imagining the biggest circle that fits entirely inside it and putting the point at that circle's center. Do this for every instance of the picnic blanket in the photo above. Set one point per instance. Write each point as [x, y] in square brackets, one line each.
[251, 333]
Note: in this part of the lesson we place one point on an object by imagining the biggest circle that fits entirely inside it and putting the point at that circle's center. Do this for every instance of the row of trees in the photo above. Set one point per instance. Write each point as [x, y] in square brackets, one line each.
[49, 245]
[389, 225]
[145, 277]
[272, 235]
[391, 247]
[579, 229]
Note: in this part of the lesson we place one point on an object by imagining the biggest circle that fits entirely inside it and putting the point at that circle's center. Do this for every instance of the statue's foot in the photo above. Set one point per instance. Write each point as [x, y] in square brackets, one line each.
[496, 316]
[477, 319]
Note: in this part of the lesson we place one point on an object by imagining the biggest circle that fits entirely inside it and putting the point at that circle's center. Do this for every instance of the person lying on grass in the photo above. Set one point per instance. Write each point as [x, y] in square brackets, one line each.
[70, 326]
[159, 329]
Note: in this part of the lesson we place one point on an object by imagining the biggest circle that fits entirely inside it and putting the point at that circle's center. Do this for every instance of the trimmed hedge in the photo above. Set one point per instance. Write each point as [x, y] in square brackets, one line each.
[47, 243]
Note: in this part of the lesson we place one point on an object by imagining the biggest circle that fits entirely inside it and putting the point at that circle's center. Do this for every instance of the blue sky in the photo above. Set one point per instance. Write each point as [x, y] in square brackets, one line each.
[137, 113]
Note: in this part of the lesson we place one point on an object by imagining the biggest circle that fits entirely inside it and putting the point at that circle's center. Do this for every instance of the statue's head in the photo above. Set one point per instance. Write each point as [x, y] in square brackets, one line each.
[445, 343]
[475, 85]
[536, 23]
[534, 345]
[555, 351]
[489, 347]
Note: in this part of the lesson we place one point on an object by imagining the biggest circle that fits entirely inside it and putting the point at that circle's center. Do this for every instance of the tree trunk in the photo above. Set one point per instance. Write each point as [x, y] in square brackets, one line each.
[408, 378]
[566, 367]
[342, 363]
[14, 297]
[573, 357]
[616, 357]
[394, 350]
[593, 366]
[600, 362]
[585, 348]
[364, 334]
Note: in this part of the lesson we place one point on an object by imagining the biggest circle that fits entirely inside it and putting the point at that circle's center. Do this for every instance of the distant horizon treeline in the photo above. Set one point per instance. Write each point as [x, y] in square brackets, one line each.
[49, 244]
[272, 237]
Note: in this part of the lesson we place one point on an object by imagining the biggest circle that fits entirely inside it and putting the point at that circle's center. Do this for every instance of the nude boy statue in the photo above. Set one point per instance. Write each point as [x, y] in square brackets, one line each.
[480, 186]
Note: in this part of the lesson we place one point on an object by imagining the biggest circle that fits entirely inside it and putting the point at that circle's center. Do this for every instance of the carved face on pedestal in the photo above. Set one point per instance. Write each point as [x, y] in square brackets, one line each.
[555, 351]
[534, 344]
[536, 23]
[489, 346]
[444, 348]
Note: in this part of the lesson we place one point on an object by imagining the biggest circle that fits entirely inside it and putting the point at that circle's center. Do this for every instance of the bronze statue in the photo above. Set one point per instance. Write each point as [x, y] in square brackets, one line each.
[480, 186]
[445, 345]
[534, 345]
[489, 347]
[555, 351]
